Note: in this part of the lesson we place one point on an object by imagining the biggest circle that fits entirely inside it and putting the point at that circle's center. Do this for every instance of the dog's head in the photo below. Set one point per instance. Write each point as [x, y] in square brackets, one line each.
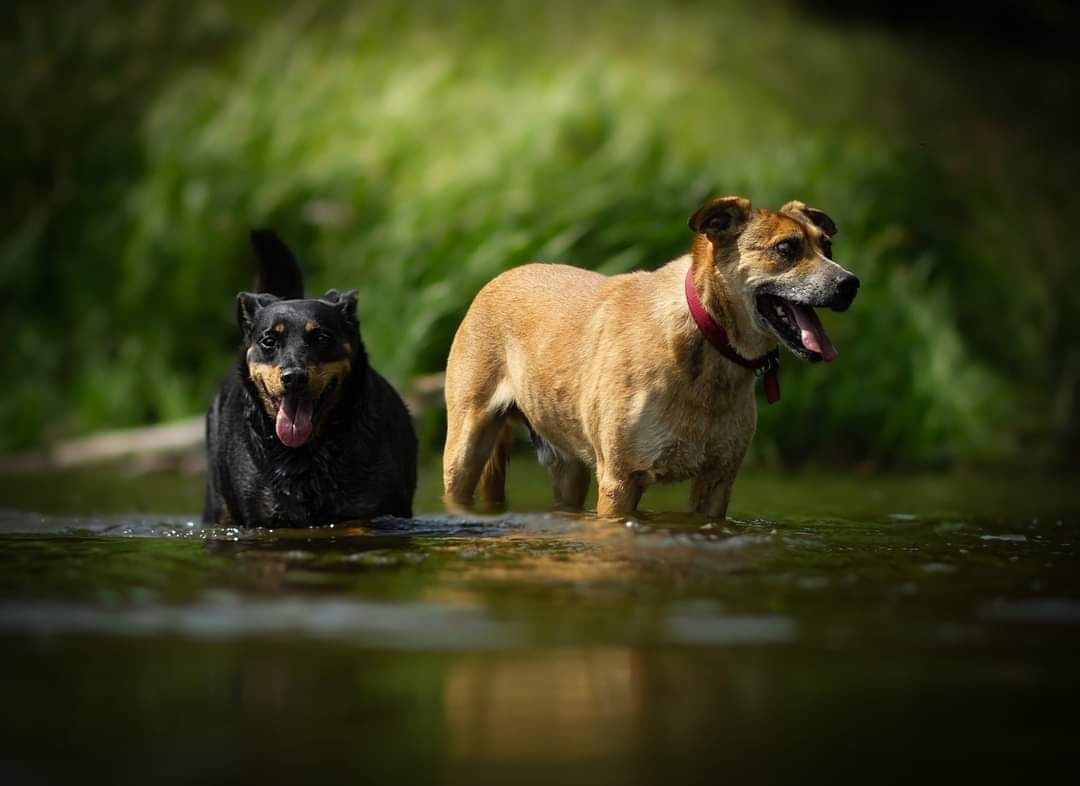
[299, 354]
[776, 267]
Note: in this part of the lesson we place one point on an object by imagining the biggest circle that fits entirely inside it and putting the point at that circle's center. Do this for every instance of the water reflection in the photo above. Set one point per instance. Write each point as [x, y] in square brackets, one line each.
[541, 648]
[556, 707]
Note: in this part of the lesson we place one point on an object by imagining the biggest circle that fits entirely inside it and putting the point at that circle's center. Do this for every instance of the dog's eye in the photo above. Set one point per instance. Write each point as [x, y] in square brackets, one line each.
[826, 248]
[268, 342]
[321, 337]
[788, 249]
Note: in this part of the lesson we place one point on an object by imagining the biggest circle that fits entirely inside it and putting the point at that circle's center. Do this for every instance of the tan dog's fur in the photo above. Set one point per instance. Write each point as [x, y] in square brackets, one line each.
[612, 374]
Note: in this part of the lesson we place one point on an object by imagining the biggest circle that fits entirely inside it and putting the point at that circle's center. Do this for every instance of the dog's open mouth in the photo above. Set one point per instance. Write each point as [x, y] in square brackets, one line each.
[296, 416]
[797, 326]
[293, 424]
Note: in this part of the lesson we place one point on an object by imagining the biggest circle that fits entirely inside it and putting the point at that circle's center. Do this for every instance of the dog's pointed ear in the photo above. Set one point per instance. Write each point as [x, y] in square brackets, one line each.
[816, 217]
[722, 217]
[344, 302]
[248, 305]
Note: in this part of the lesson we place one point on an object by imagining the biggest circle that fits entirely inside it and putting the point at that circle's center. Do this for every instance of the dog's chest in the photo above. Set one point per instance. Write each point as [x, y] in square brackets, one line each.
[308, 490]
[677, 437]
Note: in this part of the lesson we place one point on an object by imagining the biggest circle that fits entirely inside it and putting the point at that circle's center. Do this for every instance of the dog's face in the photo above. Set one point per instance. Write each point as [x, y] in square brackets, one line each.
[299, 354]
[779, 264]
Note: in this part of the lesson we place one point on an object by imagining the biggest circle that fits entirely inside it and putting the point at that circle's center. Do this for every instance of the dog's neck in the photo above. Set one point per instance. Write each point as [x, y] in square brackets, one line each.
[726, 307]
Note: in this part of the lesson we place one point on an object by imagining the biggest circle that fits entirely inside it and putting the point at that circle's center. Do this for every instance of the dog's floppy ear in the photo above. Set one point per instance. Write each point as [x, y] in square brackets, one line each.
[248, 305]
[344, 302]
[816, 217]
[722, 216]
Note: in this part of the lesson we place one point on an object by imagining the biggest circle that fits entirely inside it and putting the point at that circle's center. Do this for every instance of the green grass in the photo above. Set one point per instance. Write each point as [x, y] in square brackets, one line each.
[416, 150]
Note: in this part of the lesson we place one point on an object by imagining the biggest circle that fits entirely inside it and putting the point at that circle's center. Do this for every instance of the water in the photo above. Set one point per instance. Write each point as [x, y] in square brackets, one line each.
[835, 628]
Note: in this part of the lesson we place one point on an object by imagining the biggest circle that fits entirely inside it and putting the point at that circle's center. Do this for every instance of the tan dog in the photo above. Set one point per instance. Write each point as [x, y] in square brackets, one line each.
[616, 373]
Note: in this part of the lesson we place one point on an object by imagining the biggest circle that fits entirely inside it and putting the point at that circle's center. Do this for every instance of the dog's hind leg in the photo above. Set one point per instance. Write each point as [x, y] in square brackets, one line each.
[479, 399]
[493, 476]
[470, 442]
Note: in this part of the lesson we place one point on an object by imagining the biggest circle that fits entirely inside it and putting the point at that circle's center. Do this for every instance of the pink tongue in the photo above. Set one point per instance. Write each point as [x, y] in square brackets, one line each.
[814, 336]
[293, 425]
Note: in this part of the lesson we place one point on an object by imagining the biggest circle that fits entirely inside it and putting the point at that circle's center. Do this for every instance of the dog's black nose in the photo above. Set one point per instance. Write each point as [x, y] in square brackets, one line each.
[294, 379]
[846, 289]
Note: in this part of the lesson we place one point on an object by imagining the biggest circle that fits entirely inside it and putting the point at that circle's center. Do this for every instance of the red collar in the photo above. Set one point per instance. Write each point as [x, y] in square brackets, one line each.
[768, 364]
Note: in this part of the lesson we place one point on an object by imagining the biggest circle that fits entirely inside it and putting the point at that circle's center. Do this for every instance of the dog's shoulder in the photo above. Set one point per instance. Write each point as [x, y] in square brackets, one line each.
[650, 294]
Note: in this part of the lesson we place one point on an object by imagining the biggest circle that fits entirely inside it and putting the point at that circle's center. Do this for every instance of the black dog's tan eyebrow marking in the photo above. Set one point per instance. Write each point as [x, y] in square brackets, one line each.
[279, 327]
[310, 326]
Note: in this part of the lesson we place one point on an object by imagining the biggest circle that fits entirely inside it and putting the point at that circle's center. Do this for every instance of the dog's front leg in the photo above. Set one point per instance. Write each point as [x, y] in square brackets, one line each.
[710, 493]
[619, 492]
[570, 482]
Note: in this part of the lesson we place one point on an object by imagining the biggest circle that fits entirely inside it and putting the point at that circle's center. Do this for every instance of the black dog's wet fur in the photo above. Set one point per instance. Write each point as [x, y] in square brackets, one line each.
[358, 464]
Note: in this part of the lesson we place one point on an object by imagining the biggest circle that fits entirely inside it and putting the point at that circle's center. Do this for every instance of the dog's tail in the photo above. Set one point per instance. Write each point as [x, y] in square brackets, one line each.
[493, 476]
[278, 271]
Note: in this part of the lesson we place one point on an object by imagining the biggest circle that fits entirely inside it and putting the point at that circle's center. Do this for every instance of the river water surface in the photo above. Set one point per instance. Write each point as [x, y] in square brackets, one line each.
[835, 628]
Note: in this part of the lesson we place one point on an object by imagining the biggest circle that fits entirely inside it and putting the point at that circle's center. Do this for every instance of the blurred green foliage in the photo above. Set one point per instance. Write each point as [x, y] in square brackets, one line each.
[415, 150]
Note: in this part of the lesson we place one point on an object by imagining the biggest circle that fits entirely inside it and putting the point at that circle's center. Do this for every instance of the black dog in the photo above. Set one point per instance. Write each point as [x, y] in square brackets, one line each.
[304, 431]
